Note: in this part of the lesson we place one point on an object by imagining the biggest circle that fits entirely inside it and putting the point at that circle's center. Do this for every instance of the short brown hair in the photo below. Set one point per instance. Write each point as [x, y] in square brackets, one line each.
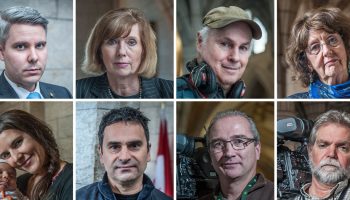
[114, 24]
[331, 20]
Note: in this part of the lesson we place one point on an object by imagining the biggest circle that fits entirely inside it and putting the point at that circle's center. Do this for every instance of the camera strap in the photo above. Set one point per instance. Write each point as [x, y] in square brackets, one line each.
[245, 191]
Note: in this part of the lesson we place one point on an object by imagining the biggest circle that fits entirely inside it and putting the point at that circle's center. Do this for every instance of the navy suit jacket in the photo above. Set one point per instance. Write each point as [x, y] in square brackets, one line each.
[48, 91]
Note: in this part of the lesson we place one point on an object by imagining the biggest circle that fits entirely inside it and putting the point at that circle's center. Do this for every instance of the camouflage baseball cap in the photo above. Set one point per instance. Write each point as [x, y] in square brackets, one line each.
[222, 16]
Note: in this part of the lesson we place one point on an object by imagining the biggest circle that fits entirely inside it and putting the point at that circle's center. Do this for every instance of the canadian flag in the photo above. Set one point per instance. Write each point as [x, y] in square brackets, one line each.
[163, 179]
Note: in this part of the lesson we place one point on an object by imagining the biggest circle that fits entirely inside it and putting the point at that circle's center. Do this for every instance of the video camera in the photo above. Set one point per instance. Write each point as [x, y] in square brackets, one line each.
[292, 165]
[195, 175]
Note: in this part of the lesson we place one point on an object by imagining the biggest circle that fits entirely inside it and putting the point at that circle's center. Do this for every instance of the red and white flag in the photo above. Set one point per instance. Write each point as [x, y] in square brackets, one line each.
[163, 179]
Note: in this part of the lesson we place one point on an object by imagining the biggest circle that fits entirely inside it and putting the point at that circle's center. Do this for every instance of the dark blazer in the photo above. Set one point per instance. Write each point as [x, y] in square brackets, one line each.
[48, 91]
[97, 87]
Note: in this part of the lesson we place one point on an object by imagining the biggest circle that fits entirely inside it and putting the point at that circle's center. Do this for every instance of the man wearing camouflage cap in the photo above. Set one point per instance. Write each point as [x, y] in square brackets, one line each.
[223, 50]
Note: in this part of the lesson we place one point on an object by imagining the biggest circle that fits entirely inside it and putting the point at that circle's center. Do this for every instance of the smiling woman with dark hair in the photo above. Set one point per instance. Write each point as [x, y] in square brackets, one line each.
[28, 144]
[319, 52]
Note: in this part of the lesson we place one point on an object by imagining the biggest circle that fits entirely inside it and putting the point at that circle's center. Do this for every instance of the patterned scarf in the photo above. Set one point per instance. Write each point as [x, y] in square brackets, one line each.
[318, 90]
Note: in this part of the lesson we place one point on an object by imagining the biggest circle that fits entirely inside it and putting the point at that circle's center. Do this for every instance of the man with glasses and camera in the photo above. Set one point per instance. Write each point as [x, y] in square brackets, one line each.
[234, 148]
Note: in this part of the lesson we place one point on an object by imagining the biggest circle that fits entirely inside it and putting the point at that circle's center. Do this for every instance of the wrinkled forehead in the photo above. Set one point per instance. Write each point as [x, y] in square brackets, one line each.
[235, 31]
[307, 34]
[320, 34]
[231, 127]
[326, 133]
[124, 131]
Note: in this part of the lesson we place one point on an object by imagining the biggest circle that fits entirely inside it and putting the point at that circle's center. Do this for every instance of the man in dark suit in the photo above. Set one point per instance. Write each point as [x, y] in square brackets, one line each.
[24, 52]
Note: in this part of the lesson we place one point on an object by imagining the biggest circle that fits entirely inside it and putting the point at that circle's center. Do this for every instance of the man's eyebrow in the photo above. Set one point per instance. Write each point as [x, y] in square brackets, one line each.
[227, 39]
[321, 141]
[128, 142]
[247, 43]
[239, 136]
[232, 137]
[343, 143]
[113, 143]
[135, 140]
[19, 42]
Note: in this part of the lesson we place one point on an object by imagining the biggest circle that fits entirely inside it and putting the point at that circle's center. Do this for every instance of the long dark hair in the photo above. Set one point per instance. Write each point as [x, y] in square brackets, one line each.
[38, 130]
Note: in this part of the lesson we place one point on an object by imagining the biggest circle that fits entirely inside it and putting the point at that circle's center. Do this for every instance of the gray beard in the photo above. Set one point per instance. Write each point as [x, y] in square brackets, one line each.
[329, 177]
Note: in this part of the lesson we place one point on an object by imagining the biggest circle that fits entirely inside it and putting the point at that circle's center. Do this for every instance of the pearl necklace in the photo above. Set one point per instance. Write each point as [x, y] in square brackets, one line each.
[140, 90]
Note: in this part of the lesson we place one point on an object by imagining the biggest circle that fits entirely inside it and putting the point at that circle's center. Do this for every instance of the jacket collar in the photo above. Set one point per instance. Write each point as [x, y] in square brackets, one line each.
[6, 91]
[107, 192]
[337, 189]
[101, 86]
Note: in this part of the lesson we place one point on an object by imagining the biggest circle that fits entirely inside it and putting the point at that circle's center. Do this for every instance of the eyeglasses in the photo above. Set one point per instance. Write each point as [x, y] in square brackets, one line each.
[219, 146]
[331, 41]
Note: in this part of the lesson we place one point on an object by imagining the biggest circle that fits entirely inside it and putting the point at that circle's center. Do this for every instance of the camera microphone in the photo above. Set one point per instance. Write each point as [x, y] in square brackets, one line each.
[294, 128]
[185, 145]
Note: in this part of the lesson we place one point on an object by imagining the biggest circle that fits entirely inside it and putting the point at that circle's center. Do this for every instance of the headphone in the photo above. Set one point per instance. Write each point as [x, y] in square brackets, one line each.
[203, 80]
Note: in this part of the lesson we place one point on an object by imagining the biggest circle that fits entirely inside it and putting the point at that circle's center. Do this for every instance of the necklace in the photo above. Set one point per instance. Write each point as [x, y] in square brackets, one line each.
[140, 90]
[244, 194]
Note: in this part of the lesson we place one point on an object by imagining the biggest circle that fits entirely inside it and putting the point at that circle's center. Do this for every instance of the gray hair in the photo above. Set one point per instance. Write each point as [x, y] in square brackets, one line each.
[19, 15]
[234, 113]
[204, 34]
[329, 117]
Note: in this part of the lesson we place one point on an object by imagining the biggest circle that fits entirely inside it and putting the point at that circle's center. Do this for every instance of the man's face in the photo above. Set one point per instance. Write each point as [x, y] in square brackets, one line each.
[230, 163]
[124, 153]
[330, 155]
[25, 54]
[226, 51]
[7, 177]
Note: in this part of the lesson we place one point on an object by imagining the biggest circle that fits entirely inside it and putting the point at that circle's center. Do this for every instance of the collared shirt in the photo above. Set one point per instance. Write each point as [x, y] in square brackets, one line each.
[340, 191]
[21, 92]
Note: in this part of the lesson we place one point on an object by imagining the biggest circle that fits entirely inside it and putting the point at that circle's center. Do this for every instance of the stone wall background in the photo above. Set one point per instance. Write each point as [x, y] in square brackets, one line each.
[59, 68]
[88, 117]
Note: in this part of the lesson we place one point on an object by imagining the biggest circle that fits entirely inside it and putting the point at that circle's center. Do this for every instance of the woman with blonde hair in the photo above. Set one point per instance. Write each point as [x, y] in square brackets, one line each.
[122, 48]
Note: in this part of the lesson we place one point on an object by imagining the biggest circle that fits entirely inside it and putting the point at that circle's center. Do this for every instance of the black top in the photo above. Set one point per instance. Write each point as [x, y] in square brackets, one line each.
[127, 197]
[62, 187]
[98, 87]
[102, 190]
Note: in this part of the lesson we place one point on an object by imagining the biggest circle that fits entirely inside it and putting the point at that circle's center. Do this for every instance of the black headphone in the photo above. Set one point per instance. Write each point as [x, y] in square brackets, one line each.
[203, 79]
